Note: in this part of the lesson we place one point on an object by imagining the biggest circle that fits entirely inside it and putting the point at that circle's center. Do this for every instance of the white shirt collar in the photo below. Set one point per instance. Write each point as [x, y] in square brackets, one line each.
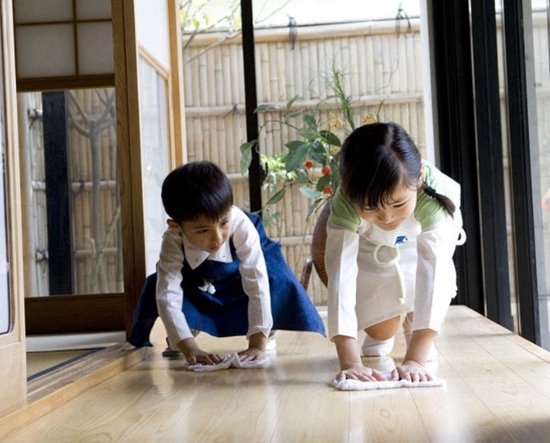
[196, 256]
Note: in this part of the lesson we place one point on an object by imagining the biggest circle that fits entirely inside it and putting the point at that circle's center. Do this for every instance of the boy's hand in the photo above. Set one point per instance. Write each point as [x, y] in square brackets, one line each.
[411, 371]
[359, 372]
[251, 354]
[193, 354]
[256, 348]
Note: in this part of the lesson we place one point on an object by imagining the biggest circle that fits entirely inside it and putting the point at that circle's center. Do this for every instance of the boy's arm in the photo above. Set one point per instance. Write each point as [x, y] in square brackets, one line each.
[254, 275]
[169, 292]
[256, 348]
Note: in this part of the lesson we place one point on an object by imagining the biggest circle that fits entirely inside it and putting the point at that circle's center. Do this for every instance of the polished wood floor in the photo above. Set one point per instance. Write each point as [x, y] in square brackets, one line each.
[498, 390]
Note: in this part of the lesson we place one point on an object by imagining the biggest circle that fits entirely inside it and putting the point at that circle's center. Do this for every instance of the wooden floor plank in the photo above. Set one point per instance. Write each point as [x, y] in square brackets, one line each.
[497, 390]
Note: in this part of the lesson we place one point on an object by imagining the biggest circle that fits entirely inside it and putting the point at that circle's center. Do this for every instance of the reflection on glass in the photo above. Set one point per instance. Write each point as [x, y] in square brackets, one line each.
[72, 210]
[4, 266]
[154, 156]
[541, 190]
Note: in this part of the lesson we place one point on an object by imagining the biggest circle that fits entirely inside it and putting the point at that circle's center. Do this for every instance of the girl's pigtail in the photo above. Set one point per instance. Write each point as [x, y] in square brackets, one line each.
[445, 201]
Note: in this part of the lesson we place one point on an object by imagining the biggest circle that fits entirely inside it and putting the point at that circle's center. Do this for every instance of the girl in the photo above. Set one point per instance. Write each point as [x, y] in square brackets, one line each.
[391, 236]
[217, 272]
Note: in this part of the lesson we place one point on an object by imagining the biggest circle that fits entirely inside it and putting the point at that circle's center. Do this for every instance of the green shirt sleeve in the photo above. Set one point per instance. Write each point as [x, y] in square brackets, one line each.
[429, 211]
[342, 212]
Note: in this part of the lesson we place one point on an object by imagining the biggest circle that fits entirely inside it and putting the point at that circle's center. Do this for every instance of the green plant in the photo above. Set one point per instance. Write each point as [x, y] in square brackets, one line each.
[311, 159]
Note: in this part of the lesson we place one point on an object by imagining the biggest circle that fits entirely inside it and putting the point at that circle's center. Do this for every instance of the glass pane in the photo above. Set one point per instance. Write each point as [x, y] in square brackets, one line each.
[155, 158]
[541, 187]
[71, 192]
[4, 265]
[368, 53]
[506, 163]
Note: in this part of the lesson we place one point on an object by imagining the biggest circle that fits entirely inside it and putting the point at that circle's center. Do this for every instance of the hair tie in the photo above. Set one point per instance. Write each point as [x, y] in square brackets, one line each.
[431, 192]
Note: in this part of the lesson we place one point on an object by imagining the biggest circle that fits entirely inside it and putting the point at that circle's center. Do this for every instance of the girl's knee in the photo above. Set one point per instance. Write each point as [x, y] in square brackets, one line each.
[384, 330]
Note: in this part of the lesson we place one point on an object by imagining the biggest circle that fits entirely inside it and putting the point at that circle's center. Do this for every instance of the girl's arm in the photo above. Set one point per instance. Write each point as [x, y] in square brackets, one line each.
[435, 287]
[435, 275]
[341, 264]
[413, 367]
[342, 247]
[351, 366]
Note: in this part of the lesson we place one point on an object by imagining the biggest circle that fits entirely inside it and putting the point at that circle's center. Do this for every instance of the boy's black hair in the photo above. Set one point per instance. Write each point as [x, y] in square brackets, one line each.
[196, 189]
[375, 159]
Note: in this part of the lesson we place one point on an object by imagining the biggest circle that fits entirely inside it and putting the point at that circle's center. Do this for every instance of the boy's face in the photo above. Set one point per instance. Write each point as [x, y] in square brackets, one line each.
[207, 235]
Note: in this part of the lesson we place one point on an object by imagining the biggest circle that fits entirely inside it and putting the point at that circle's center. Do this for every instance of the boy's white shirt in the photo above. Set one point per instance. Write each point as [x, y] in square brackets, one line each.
[252, 269]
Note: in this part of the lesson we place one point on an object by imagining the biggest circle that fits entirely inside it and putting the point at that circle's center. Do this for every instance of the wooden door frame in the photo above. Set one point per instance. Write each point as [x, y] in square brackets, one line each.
[108, 312]
[12, 344]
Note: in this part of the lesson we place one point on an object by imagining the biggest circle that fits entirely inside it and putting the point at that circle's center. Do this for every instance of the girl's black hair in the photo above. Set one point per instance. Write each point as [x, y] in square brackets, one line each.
[375, 159]
[197, 189]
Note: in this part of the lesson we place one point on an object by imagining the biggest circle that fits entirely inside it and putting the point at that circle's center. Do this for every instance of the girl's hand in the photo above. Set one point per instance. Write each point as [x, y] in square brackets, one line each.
[411, 371]
[251, 354]
[359, 372]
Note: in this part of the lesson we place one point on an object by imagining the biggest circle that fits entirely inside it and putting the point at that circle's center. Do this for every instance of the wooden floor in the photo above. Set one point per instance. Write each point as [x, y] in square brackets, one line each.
[498, 390]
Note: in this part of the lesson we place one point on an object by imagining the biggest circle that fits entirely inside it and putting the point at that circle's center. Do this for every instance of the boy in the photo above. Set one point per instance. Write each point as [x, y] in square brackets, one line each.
[218, 272]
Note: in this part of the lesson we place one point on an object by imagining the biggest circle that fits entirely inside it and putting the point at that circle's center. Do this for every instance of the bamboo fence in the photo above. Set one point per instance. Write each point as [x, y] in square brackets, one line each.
[379, 64]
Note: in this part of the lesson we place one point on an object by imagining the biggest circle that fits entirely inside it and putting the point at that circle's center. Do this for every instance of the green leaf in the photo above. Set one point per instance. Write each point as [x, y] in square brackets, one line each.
[308, 134]
[318, 157]
[323, 182]
[311, 122]
[317, 146]
[295, 144]
[267, 107]
[246, 156]
[330, 138]
[296, 157]
[276, 197]
[314, 206]
[291, 102]
[295, 114]
[311, 193]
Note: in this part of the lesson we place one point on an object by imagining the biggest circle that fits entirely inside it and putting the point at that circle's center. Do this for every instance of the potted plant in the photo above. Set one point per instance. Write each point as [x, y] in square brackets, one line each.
[311, 159]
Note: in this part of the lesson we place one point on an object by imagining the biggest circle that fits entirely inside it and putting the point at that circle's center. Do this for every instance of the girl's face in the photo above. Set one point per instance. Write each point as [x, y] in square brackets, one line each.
[400, 206]
[207, 235]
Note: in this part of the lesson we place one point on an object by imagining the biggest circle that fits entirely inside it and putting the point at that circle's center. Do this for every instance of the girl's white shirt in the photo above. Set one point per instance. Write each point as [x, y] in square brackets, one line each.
[435, 277]
[435, 270]
[175, 248]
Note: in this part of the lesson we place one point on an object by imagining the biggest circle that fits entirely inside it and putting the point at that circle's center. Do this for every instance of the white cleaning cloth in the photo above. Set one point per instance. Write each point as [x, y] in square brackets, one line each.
[254, 364]
[356, 385]
[201, 367]
[230, 360]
